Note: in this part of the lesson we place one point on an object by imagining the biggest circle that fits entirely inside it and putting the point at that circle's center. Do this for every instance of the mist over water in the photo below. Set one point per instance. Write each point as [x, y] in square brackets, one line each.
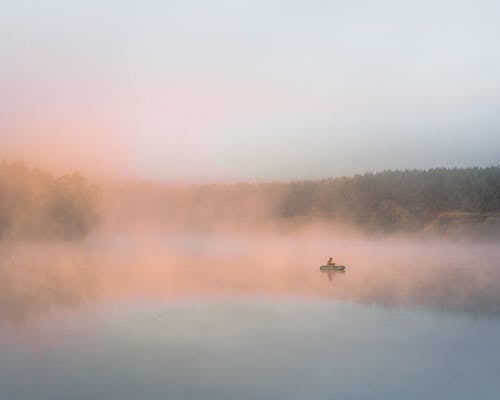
[173, 175]
[133, 290]
[199, 316]
[460, 277]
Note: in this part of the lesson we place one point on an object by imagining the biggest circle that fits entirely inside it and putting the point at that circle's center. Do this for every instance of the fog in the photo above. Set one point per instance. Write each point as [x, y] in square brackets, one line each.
[67, 243]
[153, 290]
[448, 276]
[218, 91]
[201, 160]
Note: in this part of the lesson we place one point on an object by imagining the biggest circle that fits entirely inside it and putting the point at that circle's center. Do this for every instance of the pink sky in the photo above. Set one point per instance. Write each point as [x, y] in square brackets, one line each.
[237, 91]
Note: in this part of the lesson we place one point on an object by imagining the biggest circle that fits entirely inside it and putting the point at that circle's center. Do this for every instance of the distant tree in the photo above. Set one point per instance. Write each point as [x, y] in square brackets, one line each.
[71, 206]
[35, 205]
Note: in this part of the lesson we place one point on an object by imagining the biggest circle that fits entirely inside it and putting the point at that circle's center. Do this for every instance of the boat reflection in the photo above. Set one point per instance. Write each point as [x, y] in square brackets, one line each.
[331, 273]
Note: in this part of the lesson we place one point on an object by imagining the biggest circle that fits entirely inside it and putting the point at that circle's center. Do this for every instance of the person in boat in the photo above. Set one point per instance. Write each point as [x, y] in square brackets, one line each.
[330, 262]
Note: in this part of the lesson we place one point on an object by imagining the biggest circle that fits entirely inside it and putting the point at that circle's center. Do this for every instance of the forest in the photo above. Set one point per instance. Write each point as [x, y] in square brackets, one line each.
[36, 205]
[389, 201]
[396, 200]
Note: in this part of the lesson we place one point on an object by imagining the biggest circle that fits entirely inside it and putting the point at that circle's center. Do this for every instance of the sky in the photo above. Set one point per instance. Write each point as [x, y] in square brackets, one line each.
[256, 90]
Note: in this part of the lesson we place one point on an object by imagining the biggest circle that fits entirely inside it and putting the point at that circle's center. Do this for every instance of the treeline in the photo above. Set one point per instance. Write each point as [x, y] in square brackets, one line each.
[36, 205]
[395, 200]
[389, 201]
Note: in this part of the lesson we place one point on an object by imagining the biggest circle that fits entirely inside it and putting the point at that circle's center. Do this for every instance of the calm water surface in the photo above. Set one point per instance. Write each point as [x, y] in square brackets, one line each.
[257, 321]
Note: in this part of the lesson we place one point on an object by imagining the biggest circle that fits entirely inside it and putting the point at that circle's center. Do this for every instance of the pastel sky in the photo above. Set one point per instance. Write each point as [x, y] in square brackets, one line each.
[232, 90]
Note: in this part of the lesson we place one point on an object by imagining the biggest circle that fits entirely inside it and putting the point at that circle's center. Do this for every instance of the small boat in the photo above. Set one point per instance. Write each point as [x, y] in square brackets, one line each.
[332, 268]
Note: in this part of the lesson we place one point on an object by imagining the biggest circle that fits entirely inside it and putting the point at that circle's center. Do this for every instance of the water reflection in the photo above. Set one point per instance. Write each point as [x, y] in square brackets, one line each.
[331, 274]
[36, 279]
[267, 348]
[150, 319]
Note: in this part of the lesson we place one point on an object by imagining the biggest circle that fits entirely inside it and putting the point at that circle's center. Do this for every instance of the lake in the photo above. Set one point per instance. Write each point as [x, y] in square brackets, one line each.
[213, 317]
